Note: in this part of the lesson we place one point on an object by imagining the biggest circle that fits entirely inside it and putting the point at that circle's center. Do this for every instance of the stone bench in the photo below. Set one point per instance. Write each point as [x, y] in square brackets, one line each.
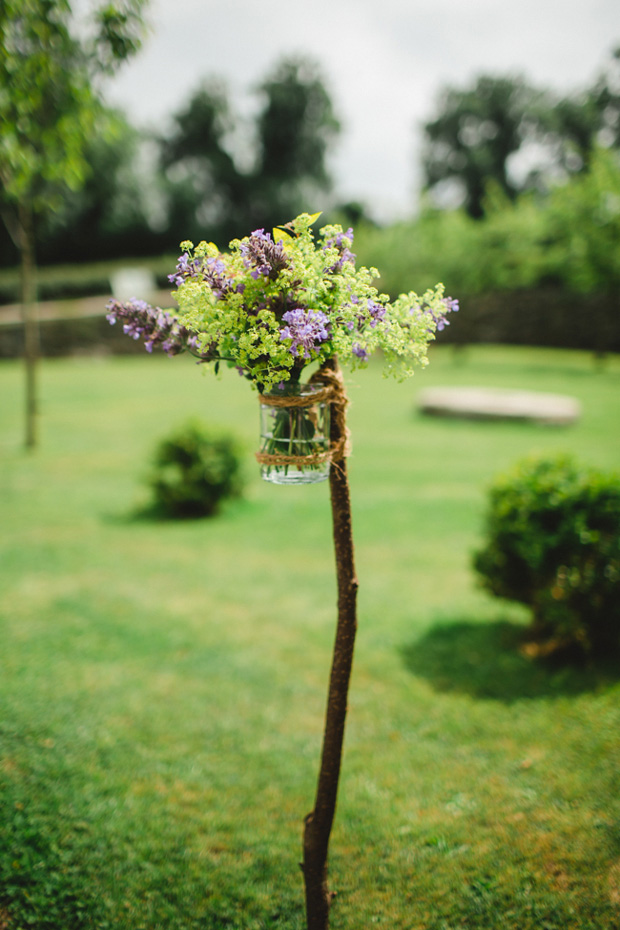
[477, 403]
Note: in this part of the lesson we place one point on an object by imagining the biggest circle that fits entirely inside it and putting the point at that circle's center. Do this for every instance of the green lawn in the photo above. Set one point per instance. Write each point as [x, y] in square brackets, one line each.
[162, 686]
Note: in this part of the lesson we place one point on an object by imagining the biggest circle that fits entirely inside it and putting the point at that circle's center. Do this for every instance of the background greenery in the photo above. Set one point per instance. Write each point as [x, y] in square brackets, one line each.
[162, 686]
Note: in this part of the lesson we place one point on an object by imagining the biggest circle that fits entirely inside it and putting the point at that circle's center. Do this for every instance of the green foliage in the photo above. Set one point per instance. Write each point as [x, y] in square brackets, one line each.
[47, 107]
[210, 191]
[194, 470]
[117, 210]
[477, 130]
[553, 544]
[48, 102]
[501, 130]
[503, 251]
[583, 219]
[571, 237]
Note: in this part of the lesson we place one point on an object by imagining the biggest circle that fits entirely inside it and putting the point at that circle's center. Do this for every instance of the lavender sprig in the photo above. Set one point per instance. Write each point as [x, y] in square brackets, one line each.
[263, 255]
[159, 328]
[346, 255]
[211, 270]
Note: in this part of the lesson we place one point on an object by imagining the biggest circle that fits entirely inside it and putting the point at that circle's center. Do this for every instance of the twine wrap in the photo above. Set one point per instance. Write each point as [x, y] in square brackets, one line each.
[332, 393]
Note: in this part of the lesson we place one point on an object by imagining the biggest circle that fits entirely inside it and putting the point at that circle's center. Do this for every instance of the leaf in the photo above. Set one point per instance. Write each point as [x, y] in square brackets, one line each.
[281, 234]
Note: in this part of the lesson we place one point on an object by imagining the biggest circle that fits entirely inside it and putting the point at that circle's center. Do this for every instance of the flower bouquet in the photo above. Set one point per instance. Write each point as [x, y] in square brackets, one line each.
[274, 305]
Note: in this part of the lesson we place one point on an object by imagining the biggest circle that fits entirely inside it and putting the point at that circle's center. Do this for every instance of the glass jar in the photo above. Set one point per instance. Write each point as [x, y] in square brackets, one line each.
[295, 434]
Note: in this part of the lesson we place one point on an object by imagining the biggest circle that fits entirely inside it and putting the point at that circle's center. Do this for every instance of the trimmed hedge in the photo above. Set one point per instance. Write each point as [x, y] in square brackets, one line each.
[194, 469]
[553, 544]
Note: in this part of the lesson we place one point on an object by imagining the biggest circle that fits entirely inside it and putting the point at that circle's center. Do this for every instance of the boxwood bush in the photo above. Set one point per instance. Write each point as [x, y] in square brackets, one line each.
[553, 544]
[194, 469]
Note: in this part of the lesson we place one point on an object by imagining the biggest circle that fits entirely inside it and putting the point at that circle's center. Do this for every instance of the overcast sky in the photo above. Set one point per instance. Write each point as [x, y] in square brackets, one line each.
[383, 62]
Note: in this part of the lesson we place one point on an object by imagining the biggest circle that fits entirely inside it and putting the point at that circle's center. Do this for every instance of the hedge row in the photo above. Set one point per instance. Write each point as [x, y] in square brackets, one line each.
[547, 317]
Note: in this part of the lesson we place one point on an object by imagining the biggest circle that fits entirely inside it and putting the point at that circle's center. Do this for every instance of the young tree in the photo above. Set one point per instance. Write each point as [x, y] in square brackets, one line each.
[49, 105]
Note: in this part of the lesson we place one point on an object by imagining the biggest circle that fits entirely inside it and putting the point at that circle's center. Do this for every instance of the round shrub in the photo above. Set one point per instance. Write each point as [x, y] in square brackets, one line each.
[193, 470]
[553, 544]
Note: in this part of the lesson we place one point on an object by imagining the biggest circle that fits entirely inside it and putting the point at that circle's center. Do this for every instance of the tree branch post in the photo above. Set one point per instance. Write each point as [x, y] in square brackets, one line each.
[318, 823]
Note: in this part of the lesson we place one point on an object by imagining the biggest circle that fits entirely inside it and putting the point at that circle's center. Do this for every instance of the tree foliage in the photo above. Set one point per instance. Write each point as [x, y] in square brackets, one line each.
[295, 128]
[206, 190]
[477, 130]
[119, 208]
[569, 238]
[583, 227]
[48, 104]
[504, 131]
[211, 194]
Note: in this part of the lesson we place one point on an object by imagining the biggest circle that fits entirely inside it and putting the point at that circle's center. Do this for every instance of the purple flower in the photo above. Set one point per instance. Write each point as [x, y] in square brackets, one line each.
[211, 270]
[360, 351]
[376, 312]
[346, 255]
[263, 256]
[306, 329]
[158, 328]
[185, 269]
[451, 305]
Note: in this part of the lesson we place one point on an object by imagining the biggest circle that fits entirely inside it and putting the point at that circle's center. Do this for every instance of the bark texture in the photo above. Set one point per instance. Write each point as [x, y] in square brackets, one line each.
[318, 823]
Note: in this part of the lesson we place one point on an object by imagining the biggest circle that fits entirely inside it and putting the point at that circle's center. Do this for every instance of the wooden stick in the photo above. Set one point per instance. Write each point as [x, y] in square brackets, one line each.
[318, 823]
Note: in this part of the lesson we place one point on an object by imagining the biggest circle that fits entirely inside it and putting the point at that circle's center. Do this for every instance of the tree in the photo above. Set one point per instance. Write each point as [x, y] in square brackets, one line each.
[206, 189]
[295, 129]
[583, 227]
[210, 194]
[606, 98]
[580, 124]
[48, 108]
[503, 130]
[476, 132]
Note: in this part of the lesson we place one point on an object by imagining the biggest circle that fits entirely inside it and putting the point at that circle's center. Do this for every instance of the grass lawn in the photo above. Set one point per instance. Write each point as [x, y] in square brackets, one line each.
[162, 685]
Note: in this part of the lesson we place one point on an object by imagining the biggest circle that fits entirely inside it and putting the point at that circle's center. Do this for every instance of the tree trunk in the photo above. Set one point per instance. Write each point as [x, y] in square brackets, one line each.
[29, 317]
[319, 822]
